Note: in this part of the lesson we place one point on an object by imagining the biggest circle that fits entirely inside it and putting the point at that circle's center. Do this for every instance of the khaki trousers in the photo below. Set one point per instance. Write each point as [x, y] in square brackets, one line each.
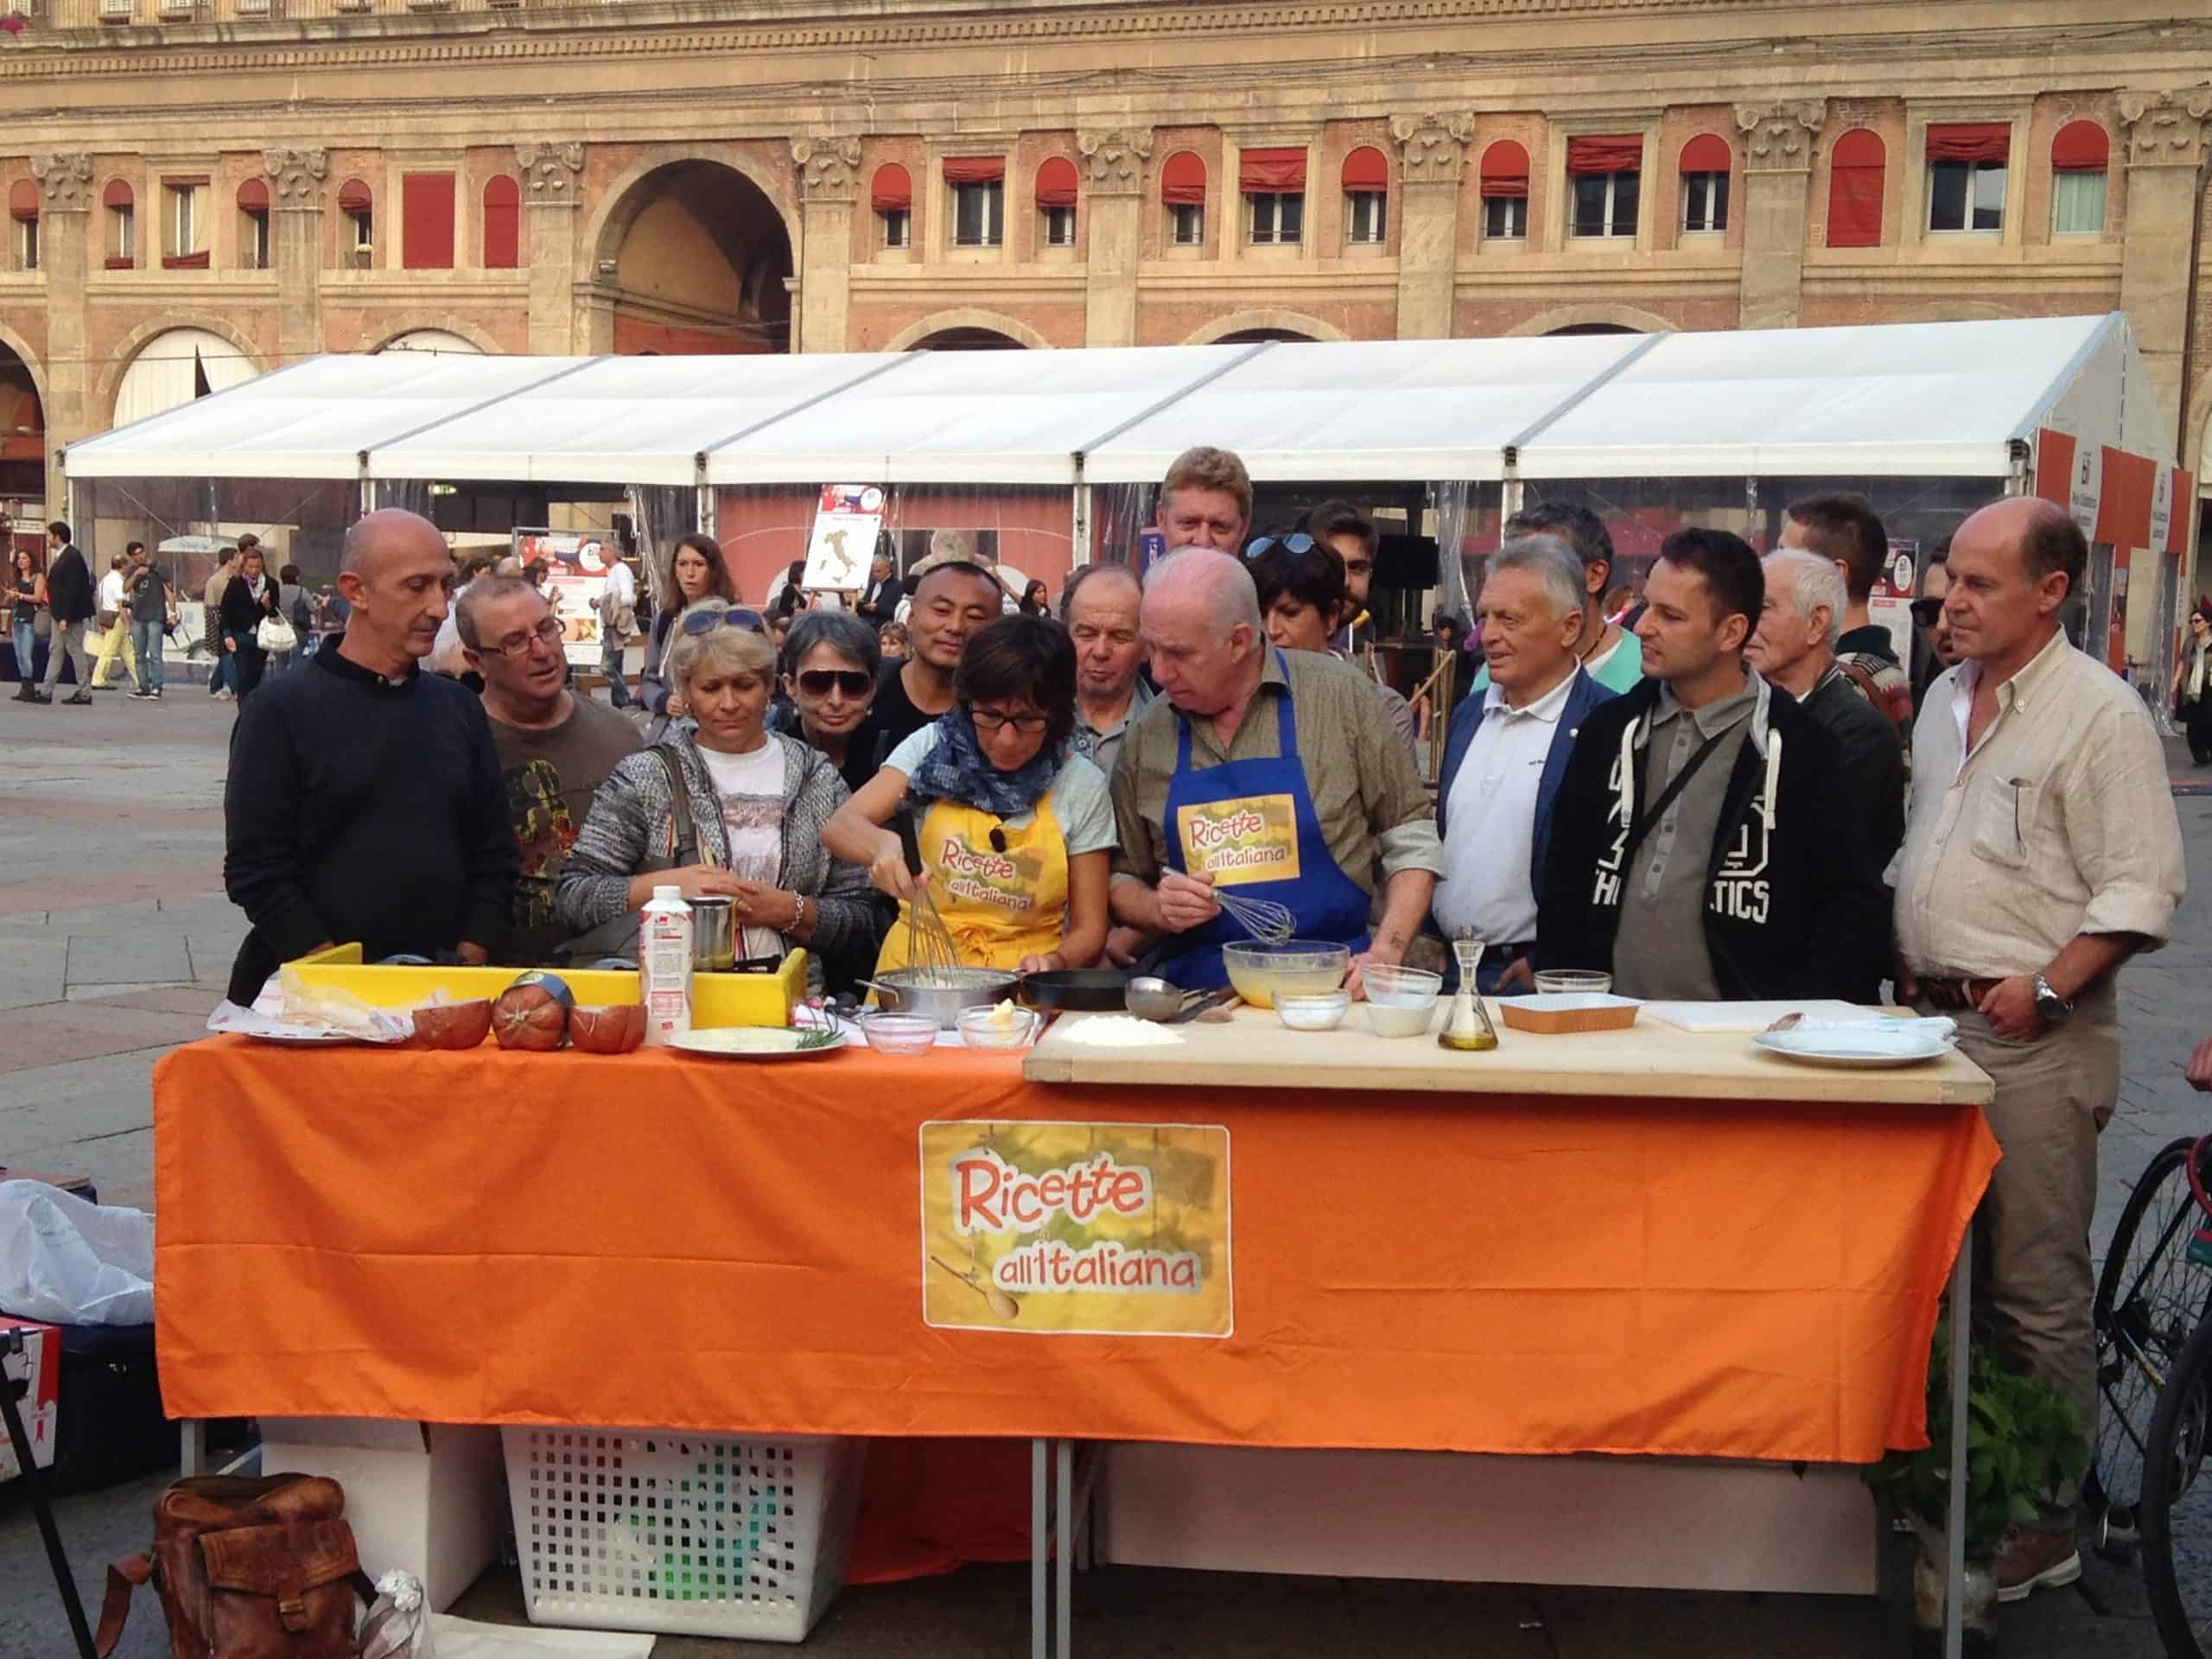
[2033, 1282]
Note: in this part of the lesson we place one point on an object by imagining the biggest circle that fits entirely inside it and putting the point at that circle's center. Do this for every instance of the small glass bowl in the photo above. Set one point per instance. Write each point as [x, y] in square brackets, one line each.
[977, 1031]
[1573, 981]
[1311, 1010]
[899, 1033]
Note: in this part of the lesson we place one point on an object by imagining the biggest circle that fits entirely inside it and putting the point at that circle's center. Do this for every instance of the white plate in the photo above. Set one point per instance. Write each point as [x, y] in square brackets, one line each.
[305, 1039]
[1874, 1047]
[757, 1043]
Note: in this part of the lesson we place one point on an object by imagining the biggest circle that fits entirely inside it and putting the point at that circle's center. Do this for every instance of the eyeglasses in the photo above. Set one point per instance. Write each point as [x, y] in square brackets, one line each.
[703, 622]
[1926, 611]
[547, 633]
[818, 682]
[990, 719]
[1299, 542]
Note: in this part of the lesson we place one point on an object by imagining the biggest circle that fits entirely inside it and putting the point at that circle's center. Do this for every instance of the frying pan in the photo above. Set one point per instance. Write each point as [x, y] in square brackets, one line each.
[1078, 990]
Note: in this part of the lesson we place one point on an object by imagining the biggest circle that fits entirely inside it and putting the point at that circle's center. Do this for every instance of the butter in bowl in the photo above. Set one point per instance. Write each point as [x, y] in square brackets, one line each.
[1560, 1013]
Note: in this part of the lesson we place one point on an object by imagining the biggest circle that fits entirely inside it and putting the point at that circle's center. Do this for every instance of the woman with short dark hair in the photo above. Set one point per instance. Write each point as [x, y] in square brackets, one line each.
[1016, 831]
[1305, 602]
[829, 661]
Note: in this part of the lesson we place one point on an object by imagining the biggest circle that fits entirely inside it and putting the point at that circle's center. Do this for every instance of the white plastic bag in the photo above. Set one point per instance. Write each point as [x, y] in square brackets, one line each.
[72, 1263]
[398, 1626]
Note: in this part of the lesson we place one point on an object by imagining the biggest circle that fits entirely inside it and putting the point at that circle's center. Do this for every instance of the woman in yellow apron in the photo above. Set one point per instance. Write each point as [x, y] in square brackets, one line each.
[1015, 831]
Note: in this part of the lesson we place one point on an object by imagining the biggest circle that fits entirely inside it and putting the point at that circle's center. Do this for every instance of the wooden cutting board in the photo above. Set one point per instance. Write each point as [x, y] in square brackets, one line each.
[1648, 1060]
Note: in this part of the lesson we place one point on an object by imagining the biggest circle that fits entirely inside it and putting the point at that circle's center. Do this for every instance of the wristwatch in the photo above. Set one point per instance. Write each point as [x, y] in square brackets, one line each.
[2048, 1003]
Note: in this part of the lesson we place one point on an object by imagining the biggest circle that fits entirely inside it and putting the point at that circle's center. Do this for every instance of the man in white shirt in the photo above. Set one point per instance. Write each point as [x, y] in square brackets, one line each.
[618, 621]
[1502, 772]
[114, 622]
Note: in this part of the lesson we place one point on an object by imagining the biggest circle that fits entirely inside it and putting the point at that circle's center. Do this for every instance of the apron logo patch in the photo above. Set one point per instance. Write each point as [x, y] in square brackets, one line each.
[979, 876]
[1255, 839]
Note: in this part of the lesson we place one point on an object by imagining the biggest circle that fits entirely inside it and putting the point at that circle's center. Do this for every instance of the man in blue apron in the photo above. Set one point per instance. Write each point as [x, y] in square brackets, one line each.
[1271, 775]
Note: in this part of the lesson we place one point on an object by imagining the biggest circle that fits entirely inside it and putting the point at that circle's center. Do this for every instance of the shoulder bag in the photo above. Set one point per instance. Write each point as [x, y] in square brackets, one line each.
[274, 634]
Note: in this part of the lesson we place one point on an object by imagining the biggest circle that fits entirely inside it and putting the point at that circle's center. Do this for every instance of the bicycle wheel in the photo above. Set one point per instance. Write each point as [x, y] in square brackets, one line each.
[2176, 1513]
[2150, 1298]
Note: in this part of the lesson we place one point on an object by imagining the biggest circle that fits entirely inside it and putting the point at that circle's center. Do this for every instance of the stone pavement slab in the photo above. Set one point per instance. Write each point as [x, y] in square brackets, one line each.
[147, 956]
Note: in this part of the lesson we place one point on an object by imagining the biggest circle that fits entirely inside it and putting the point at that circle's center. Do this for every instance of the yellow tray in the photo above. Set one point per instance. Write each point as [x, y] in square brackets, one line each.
[716, 999]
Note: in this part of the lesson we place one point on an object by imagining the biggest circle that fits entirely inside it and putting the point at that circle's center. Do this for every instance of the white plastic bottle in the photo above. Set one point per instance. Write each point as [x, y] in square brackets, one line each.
[664, 965]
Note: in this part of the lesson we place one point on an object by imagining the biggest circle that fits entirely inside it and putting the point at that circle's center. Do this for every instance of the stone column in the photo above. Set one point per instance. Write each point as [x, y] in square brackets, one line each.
[1114, 160]
[1777, 179]
[2165, 173]
[295, 179]
[1431, 150]
[829, 179]
[64, 188]
[551, 192]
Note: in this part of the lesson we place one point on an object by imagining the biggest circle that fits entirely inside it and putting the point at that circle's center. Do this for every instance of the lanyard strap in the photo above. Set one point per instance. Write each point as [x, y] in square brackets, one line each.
[1649, 820]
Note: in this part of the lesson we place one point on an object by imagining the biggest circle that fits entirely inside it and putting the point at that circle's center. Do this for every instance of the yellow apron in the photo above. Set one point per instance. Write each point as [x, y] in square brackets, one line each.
[1001, 906]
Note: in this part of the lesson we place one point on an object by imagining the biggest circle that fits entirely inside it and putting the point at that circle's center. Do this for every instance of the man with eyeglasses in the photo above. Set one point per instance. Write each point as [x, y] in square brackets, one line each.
[555, 749]
[365, 802]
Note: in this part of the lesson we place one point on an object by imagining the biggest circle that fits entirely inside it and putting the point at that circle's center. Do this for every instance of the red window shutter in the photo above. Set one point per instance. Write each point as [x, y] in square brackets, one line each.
[2081, 146]
[253, 196]
[1855, 174]
[22, 199]
[1982, 140]
[1614, 155]
[974, 169]
[426, 221]
[353, 197]
[1505, 169]
[1183, 180]
[1271, 172]
[891, 189]
[1367, 168]
[1707, 153]
[502, 223]
[1056, 183]
[117, 194]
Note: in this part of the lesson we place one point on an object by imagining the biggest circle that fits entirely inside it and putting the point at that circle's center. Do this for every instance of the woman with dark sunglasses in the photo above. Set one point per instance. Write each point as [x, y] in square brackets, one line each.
[831, 659]
[1015, 829]
[697, 571]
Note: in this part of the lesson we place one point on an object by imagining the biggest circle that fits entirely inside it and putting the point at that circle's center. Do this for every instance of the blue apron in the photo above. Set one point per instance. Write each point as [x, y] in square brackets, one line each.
[1250, 816]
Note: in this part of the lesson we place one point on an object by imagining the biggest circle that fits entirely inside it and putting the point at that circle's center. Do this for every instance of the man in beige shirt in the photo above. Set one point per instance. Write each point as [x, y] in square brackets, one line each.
[2041, 850]
[1272, 775]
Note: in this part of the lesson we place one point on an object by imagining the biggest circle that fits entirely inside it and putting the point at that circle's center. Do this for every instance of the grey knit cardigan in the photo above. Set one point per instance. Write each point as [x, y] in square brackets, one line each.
[631, 825]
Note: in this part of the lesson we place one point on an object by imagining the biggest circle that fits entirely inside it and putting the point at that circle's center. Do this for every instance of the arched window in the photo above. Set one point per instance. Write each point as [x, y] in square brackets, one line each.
[2079, 156]
[1505, 191]
[892, 192]
[357, 236]
[121, 207]
[1367, 194]
[22, 207]
[1056, 193]
[1705, 162]
[253, 224]
[1183, 191]
[502, 223]
[1855, 176]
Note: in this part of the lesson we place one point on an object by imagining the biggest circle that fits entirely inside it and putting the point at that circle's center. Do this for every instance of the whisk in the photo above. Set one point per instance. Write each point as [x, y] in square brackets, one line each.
[1264, 919]
[931, 949]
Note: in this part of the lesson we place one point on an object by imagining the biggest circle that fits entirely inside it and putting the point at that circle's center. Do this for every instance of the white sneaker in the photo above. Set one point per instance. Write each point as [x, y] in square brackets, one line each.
[223, 696]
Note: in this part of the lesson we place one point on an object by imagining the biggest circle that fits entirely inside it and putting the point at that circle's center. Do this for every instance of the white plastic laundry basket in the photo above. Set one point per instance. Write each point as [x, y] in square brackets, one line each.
[691, 1535]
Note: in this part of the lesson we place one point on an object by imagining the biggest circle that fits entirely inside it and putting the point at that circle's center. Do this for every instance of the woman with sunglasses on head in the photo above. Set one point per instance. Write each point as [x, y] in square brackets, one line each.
[696, 572]
[754, 807]
[1307, 604]
[1016, 831]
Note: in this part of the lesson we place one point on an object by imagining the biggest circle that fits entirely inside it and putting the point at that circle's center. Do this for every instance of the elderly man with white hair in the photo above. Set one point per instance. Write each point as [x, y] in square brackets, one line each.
[1508, 753]
[1273, 773]
[1794, 648]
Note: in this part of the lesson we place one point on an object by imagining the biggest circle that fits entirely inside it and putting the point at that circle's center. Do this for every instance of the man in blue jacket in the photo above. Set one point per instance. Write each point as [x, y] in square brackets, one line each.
[1508, 752]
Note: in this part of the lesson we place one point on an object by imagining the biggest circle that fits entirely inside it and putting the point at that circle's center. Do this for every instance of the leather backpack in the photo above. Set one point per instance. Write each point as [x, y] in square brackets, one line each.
[247, 1569]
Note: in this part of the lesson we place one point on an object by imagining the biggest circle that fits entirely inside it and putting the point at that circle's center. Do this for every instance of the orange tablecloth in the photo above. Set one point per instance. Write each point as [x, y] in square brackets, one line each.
[659, 1240]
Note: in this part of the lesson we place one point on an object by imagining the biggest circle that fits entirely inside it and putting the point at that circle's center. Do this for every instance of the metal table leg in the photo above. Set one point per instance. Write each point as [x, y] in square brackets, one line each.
[1955, 1568]
[1065, 1585]
[1040, 1544]
[192, 1446]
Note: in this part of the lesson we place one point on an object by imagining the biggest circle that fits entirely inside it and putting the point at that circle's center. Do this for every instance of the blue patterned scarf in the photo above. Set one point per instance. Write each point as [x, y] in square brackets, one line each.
[957, 770]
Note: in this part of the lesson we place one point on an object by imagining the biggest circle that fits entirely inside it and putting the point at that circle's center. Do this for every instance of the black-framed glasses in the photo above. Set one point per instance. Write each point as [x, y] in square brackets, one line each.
[703, 622]
[990, 719]
[819, 682]
[1298, 541]
[547, 633]
[1926, 611]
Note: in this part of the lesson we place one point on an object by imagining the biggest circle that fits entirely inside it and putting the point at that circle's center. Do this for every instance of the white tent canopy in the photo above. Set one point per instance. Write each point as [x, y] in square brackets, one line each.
[1930, 400]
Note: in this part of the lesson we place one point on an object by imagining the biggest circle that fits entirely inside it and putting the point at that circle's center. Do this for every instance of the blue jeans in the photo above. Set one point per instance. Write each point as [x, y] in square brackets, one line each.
[611, 651]
[26, 642]
[148, 639]
[224, 675]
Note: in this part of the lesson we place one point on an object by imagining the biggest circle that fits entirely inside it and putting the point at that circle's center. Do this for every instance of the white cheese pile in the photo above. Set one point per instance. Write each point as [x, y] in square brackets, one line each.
[1119, 1031]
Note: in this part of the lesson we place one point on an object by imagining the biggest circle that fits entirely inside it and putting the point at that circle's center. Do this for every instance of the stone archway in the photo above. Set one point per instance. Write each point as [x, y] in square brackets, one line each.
[964, 329]
[132, 345]
[175, 365]
[22, 423]
[693, 254]
[1588, 319]
[1265, 323]
[437, 334]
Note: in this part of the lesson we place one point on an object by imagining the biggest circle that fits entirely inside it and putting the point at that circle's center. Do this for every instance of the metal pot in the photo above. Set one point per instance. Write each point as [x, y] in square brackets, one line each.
[925, 990]
[714, 935]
